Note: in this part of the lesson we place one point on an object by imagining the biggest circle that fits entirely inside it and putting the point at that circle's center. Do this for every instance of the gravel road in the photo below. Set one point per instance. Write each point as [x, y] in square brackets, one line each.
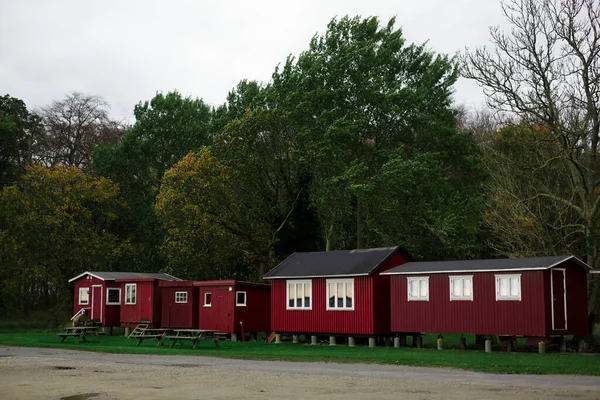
[30, 373]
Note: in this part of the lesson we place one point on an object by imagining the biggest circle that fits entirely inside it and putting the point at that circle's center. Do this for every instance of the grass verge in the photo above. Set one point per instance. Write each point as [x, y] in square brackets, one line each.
[513, 363]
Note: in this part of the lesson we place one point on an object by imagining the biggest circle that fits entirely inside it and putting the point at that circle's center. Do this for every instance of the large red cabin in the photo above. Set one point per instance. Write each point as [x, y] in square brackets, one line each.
[532, 297]
[180, 302]
[334, 293]
[234, 307]
[100, 294]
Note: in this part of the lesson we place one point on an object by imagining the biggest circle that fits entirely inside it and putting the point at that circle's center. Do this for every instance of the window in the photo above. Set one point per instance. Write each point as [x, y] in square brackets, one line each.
[461, 287]
[130, 289]
[180, 297]
[240, 298]
[418, 289]
[508, 287]
[299, 295]
[84, 296]
[340, 294]
[207, 299]
[113, 296]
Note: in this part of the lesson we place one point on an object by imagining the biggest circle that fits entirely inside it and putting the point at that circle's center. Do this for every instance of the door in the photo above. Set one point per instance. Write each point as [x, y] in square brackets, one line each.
[96, 308]
[559, 299]
[223, 310]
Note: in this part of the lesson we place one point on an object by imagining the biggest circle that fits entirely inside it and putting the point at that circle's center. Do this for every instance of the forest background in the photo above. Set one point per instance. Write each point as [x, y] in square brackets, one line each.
[354, 143]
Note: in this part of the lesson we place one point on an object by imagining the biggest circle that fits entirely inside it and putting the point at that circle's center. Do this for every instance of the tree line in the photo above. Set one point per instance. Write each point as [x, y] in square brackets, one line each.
[353, 143]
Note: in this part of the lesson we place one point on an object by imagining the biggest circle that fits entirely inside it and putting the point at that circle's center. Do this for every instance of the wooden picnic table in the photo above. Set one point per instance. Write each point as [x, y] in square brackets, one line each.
[194, 335]
[152, 333]
[80, 333]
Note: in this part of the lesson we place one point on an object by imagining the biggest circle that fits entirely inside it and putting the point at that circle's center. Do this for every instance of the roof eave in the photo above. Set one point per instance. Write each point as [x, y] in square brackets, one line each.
[87, 273]
[317, 276]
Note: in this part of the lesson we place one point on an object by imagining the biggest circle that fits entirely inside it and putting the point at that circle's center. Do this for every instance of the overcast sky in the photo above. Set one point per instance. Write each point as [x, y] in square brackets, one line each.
[127, 50]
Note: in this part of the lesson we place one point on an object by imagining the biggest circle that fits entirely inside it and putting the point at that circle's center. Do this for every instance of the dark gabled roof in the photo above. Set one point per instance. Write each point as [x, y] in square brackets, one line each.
[331, 263]
[504, 264]
[111, 276]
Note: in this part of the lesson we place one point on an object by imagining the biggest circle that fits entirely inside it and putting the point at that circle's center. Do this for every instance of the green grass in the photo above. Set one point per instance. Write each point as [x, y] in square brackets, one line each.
[515, 363]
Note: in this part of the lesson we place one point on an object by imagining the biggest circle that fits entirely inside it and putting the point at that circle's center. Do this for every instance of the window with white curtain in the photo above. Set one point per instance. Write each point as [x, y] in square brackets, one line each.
[461, 287]
[418, 289]
[340, 294]
[508, 287]
[299, 294]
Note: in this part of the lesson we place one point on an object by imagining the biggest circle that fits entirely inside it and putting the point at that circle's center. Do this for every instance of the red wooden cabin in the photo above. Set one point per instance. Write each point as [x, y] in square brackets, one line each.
[234, 307]
[100, 294]
[334, 293]
[141, 299]
[532, 297]
[179, 304]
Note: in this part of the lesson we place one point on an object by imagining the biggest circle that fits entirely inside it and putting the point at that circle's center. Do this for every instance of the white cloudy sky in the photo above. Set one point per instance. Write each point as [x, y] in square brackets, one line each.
[127, 50]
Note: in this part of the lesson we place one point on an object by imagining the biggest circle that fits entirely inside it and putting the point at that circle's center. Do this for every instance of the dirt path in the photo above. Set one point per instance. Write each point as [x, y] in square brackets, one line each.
[27, 373]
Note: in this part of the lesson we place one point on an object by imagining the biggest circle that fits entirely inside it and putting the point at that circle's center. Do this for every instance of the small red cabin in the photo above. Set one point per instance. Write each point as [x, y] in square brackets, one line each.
[234, 307]
[179, 304]
[141, 299]
[334, 292]
[532, 297]
[100, 294]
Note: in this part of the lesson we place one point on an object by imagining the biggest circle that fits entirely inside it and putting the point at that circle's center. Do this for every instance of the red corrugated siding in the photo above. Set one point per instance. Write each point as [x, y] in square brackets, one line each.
[257, 312]
[110, 313]
[147, 307]
[179, 315]
[219, 316]
[371, 314]
[577, 304]
[483, 315]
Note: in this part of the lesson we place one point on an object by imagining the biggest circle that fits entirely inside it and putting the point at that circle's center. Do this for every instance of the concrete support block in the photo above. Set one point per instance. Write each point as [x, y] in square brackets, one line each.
[372, 342]
[563, 344]
[127, 331]
[388, 341]
[463, 343]
[278, 338]
[488, 346]
[509, 346]
[397, 342]
[313, 339]
[295, 339]
[440, 344]
[402, 340]
[418, 339]
[351, 341]
[332, 341]
[541, 347]
[234, 337]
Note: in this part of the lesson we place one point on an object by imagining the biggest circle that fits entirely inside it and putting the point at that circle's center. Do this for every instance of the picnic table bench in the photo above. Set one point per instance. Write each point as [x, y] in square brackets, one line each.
[193, 335]
[80, 333]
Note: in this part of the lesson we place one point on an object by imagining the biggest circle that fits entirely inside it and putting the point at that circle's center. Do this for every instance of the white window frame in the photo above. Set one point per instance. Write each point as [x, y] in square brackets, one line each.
[109, 303]
[287, 293]
[205, 303]
[128, 300]
[245, 299]
[181, 300]
[87, 290]
[462, 296]
[417, 279]
[509, 297]
[344, 283]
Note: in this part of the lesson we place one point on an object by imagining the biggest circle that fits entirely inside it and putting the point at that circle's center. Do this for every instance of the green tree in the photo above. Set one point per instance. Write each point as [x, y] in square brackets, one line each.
[545, 72]
[208, 230]
[54, 224]
[357, 96]
[166, 129]
[20, 130]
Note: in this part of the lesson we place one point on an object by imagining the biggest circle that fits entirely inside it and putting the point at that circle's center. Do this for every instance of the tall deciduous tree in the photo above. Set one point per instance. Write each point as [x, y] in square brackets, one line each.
[167, 127]
[546, 71]
[20, 133]
[358, 96]
[54, 224]
[73, 127]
